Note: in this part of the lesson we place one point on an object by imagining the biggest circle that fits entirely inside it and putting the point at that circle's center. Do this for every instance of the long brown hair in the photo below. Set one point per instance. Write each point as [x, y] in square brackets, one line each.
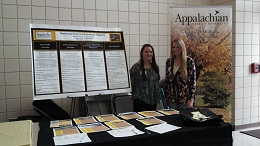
[154, 64]
[183, 55]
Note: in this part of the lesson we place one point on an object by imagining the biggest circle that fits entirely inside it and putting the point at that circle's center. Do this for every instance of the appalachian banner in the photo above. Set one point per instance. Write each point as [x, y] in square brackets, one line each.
[207, 33]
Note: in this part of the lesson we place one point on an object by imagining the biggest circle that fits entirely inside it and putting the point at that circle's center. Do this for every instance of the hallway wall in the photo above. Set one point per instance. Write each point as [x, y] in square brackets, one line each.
[143, 21]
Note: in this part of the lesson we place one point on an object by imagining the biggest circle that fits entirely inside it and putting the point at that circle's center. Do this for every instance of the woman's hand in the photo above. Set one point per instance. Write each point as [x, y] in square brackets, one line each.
[189, 103]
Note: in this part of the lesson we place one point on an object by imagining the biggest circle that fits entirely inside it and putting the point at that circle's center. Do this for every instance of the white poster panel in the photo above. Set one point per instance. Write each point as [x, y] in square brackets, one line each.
[95, 70]
[72, 71]
[116, 69]
[46, 72]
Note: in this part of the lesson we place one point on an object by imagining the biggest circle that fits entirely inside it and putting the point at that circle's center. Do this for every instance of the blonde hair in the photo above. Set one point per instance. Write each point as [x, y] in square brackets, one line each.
[183, 55]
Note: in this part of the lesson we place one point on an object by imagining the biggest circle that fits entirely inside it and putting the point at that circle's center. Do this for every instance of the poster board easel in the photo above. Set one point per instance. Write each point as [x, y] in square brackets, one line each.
[74, 61]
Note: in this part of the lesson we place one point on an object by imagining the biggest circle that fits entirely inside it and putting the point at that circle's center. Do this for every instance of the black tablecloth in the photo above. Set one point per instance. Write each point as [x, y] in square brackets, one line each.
[186, 136]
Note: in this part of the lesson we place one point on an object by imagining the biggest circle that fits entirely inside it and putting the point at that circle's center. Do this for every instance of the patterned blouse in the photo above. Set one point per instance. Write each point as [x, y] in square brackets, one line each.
[147, 91]
[185, 89]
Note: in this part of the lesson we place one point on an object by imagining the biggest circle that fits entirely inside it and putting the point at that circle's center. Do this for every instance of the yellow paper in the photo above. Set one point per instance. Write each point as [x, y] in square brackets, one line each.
[16, 133]
[58, 132]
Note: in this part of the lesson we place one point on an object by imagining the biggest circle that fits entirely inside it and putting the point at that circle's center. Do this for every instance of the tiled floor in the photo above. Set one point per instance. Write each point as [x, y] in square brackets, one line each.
[241, 139]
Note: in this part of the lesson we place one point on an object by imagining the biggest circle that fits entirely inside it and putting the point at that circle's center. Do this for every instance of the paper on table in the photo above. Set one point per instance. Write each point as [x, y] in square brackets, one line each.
[60, 123]
[125, 132]
[162, 128]
[65, 130]
[105, 118]
[16, 133]
[150, 120]
[117, 124]
[129, 115]
[150, 113]
[169, 111]
[84, 120]
[71, 139]
[94, 127]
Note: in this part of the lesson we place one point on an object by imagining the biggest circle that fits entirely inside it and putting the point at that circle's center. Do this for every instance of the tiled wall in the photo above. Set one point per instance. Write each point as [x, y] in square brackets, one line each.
[143, 21]
[246, 86]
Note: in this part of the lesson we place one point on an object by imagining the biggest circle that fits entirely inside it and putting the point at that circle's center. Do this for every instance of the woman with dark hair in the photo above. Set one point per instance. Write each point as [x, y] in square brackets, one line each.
[180, 81]
[145, 81]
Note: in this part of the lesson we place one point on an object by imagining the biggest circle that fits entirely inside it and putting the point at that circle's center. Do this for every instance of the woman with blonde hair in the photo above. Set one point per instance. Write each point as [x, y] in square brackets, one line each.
[180, 81]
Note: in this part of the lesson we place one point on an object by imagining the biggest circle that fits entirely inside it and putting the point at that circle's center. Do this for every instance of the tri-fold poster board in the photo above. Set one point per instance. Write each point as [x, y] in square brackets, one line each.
[75, 61]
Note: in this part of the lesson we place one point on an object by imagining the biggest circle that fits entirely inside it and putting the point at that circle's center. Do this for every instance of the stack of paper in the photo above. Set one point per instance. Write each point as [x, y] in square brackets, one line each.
[63, 127]
[65, 133]
[16, 133]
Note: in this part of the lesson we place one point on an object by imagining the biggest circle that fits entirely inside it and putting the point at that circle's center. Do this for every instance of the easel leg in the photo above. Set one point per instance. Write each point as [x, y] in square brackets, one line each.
[72, 107]
[98, 104]
[82, 106]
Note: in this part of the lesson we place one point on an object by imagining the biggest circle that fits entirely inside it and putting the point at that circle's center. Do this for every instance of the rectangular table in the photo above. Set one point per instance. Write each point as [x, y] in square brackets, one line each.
[186, 136]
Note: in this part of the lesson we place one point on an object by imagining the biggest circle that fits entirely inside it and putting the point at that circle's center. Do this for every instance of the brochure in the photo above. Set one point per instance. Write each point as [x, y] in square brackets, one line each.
[65, 130]
[108, 117]
[84, 120]
[150, 113]
[117, 124]
[60, 123]
[94, 127]
[169, 111]
[150, 120]
[129, 115]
